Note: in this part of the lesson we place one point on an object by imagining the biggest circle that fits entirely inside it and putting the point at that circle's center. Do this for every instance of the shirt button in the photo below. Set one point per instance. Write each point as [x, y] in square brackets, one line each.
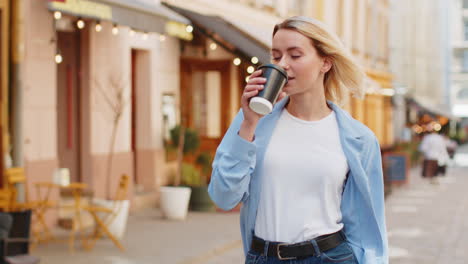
[251, 153]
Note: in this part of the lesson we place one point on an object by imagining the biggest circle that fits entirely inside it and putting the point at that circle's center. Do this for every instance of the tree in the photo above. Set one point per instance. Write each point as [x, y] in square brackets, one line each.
[117, 100]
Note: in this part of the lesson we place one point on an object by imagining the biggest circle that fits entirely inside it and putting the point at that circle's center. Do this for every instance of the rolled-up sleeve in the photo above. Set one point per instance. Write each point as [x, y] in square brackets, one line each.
[233, 165]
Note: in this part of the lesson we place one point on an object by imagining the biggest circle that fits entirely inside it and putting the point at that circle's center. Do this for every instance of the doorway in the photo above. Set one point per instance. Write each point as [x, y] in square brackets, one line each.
[68, 104]
[205, 99]
[141, 119]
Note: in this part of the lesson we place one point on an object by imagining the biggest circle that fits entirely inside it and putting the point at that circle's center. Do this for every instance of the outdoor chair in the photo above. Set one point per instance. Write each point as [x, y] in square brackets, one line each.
[5, 200]
[105, 213]
[16, 177]
[14, 250]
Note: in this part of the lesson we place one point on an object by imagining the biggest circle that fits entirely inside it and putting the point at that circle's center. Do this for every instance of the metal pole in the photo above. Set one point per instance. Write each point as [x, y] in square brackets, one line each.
[16, 88]
[17, 47]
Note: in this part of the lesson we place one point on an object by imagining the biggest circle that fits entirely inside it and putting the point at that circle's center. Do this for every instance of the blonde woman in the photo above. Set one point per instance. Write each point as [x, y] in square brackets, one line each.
[308, 175]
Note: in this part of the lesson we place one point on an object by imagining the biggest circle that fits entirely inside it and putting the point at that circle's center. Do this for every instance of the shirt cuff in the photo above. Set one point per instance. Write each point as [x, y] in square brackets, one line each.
[242, 149]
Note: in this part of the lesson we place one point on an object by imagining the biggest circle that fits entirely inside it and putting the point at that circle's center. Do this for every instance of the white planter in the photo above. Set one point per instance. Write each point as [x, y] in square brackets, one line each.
[175, 201]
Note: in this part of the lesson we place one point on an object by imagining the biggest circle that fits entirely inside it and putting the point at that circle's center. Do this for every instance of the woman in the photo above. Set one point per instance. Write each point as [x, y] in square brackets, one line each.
[309, 176]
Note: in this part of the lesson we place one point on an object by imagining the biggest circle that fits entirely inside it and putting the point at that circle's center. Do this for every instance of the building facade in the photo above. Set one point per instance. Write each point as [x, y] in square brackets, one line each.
[459, 57]
[363, 26]
[97, 80]
[420, 61]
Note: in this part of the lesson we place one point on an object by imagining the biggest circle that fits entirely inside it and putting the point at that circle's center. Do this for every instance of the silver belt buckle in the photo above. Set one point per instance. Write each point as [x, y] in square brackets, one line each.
[279, 254]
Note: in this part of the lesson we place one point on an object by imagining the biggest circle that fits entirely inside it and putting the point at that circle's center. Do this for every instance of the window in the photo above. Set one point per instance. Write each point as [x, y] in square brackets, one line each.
[169, 114]
[355, 24]
[296, 7]
[340, 18]
[462, 94]
[465, 28]
[465, 4]
[465, 61]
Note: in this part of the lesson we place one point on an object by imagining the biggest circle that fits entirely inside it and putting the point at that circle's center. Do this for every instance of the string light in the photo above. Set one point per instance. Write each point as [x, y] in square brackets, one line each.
[80, 23]
[58, 58]
[213, 46]
[57, 15]
[237, 61]
[98, 27]
[250, 69]
[254, 60]
[189, 29]
[115, 30]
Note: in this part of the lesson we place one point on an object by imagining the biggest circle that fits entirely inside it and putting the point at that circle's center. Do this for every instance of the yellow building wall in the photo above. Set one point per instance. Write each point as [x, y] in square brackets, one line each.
[376, 110]
[5, 9]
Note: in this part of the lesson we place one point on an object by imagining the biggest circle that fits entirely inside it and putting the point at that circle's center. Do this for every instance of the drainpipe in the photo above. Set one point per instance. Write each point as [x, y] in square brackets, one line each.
[16, 85]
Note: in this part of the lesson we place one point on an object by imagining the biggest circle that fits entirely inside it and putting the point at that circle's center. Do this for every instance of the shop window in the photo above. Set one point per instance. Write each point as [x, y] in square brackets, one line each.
[465, 28]
[465, 61]
[169, 114]
[463, 94]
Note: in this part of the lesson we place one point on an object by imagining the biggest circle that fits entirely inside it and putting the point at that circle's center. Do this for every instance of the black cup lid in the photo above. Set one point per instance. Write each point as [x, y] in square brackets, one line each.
[281, 70]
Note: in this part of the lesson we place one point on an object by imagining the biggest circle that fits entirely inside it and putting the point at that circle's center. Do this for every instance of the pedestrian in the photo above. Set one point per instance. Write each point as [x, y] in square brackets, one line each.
[308, 175]
[434, 149]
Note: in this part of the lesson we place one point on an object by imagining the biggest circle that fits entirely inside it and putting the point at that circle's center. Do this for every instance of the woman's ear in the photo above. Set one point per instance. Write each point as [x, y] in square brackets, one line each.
[327, 64]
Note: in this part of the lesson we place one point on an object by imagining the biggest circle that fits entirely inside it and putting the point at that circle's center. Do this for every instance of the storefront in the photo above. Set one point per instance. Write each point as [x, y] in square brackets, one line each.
[95, 73]
[214, 68]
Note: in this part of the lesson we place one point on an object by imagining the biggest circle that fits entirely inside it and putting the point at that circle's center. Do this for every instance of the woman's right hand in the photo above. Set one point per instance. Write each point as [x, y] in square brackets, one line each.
[252, 88]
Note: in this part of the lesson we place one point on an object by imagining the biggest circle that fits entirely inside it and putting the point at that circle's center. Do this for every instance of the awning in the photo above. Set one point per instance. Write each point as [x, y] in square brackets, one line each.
[132, 13]
[435, 110]
[218, 28]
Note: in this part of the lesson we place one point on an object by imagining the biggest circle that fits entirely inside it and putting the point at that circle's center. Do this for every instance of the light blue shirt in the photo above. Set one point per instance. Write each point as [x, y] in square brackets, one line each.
[238, 164]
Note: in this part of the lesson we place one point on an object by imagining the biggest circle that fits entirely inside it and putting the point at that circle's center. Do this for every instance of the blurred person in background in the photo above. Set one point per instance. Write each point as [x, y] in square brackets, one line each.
[308, 175]
[434, 148]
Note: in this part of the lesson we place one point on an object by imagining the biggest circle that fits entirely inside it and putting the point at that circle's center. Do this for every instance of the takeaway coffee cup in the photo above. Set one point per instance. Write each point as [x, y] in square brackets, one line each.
[276, 78]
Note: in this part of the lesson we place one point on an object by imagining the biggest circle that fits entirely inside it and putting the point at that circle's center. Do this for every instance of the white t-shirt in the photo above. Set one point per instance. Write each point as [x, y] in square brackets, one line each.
[302, 181]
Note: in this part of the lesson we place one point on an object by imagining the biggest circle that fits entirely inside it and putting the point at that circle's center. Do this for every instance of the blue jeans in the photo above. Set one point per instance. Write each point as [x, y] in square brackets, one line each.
[342, 254]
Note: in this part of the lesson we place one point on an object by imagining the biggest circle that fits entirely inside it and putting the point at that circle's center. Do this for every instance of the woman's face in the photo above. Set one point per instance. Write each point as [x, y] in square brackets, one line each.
[296, 54]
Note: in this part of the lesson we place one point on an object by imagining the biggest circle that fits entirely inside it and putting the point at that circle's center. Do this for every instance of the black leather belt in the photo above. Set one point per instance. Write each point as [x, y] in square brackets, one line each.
[285, 251]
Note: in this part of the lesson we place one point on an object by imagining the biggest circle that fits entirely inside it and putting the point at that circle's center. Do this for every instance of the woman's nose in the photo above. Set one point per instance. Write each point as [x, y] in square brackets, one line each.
[283, 63]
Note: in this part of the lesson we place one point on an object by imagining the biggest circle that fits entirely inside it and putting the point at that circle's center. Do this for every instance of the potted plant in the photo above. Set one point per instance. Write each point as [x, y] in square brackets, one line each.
[200, 200]
[175, 199]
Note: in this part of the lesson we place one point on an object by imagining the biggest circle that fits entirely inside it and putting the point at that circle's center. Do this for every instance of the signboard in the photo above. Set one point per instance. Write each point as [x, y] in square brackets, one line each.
[396, 167]
[177, 29]
[83, 8]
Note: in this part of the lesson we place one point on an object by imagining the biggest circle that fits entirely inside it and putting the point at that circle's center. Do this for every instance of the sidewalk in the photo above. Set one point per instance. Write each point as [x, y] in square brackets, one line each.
[426, 224]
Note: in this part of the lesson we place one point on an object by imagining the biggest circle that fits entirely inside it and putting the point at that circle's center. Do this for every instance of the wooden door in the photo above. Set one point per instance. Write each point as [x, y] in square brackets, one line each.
[68, 103]
[205, 99]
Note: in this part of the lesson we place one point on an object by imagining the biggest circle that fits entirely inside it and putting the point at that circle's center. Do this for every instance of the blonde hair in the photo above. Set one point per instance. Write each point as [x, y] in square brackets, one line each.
[345, 74]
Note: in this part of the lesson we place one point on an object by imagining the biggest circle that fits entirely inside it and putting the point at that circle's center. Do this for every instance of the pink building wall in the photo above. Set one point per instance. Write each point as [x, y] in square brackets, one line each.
[104, 56]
